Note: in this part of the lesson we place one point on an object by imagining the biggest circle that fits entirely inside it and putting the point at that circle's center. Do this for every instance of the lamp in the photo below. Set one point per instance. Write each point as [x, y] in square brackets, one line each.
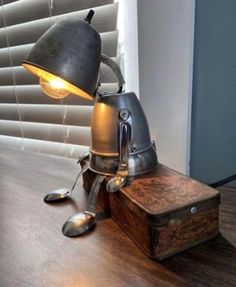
[67, 60]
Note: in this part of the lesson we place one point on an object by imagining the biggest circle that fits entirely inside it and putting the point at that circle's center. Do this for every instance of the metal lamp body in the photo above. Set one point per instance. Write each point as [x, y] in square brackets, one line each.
[104, 151]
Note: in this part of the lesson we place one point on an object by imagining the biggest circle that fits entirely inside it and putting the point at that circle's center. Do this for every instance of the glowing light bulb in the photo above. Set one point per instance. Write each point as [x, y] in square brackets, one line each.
[55, 83]
[54, 88]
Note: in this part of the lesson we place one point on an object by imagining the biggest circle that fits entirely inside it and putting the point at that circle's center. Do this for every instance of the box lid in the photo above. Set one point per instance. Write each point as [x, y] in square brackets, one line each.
[165, 190]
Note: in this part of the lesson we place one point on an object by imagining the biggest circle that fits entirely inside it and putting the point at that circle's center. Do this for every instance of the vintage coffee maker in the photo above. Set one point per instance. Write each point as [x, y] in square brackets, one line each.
[67, 60]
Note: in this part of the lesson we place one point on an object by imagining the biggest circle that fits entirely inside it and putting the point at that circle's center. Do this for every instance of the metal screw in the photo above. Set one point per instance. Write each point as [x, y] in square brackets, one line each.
[193, 210]
[124, 114]
[133, 148]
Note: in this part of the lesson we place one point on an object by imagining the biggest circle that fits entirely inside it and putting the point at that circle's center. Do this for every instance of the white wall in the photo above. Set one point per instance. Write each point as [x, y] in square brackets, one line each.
[165, 37]
[128, 43]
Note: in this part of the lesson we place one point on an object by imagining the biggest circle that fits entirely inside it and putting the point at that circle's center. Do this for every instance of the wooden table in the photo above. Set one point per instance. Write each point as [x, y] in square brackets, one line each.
[34, 253]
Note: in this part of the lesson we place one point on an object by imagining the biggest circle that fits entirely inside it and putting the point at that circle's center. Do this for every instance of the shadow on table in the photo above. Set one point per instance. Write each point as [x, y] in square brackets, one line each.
[101, 215]
[66, 201]
[210, 264]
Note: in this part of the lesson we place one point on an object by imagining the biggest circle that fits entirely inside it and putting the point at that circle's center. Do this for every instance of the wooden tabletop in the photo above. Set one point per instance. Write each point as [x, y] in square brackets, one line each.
[34, 253]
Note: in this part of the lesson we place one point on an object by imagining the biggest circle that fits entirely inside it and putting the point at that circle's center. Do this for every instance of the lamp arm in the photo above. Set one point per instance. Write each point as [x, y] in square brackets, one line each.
[115, 68]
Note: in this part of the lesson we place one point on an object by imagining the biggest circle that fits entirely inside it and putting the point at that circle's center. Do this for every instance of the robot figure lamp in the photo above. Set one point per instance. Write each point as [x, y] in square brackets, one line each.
[67, 60]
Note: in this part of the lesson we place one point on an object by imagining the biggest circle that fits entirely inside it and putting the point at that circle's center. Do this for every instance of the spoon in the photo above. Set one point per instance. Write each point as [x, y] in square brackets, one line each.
[83, 221]
[62, 193]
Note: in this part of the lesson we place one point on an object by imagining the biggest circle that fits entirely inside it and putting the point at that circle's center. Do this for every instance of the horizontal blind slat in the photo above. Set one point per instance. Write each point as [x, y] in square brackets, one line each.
[50, 132]
[104, 21]
[53, 148]
[55, 114]
[32, 94]
[7, 2]
[19, 11]
[18, 53]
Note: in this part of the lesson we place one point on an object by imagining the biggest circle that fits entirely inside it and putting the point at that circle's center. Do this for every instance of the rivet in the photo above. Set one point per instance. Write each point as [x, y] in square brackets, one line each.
[193, 210]
[133, 148]
[124, 114]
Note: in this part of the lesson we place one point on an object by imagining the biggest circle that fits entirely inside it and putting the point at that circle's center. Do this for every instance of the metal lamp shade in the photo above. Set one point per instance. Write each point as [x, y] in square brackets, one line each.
[70, 50]
[104, 151]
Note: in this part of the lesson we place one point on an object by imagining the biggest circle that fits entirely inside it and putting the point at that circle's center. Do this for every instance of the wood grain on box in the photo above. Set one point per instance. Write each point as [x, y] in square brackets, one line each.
[164, 212]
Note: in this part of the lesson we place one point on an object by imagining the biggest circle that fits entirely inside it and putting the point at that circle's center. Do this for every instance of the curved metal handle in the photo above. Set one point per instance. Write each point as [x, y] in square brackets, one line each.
[93, 195]
[125, 134]
[82, 171]
[121, 177]
[83, 156]
[115, 68]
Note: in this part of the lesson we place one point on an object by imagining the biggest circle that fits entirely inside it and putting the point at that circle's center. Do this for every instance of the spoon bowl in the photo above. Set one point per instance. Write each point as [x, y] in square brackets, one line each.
[57, 195]
[116, 183]
[78, 224]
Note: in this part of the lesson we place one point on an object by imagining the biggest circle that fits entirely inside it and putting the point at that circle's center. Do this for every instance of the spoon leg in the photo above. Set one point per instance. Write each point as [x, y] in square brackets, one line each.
[81, 222]
[62, 193]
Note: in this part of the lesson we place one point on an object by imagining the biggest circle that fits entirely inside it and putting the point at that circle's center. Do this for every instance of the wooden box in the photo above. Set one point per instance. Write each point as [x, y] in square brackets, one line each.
[163, 212]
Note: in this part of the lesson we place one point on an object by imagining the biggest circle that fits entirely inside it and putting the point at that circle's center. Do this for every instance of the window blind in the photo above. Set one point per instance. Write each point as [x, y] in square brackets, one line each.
[28, 118]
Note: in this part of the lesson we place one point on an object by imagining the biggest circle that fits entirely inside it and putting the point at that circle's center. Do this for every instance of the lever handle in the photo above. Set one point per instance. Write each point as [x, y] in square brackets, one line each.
[121, 177]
